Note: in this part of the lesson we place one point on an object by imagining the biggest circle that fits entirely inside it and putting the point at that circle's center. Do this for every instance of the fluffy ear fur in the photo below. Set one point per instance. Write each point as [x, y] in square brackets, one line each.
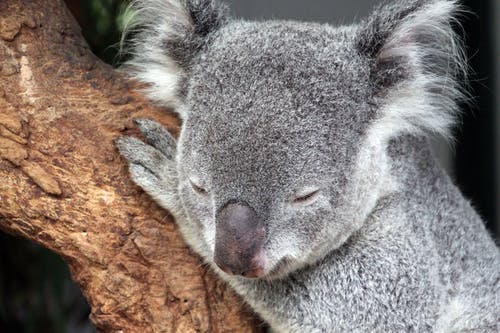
[417, 65]
[166, 35]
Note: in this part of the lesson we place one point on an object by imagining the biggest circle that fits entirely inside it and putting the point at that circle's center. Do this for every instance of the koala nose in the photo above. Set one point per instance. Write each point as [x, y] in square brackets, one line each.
[239, 236]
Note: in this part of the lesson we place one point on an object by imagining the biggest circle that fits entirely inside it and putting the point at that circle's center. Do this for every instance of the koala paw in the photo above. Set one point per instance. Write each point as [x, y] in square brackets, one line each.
[157, 136]
[152, 164]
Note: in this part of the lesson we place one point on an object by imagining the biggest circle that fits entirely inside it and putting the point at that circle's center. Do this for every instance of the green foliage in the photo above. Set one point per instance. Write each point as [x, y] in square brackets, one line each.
[102, 24]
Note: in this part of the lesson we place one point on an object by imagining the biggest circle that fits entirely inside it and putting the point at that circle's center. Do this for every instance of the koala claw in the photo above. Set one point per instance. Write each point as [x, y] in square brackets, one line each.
[144, 178]
[137, 152]
[157, 136]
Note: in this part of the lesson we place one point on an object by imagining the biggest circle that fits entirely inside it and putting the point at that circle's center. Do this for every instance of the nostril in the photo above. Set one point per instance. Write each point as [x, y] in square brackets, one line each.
[254, 273]
[251, 273]
[225, 269]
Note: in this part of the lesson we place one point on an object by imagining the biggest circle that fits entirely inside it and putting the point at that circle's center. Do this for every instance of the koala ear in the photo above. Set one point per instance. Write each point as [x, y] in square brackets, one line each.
[416, 62]
[166, 36]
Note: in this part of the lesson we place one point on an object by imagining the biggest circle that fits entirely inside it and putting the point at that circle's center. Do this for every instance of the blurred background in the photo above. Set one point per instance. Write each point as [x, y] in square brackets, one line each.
[36, 291]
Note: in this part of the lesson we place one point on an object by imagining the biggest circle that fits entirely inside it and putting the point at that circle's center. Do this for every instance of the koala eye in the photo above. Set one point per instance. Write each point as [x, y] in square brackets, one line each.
[198, 189]
[305, 198]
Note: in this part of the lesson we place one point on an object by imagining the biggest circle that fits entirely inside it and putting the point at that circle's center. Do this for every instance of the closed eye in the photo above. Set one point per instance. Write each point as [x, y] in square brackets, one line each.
[198, 189]
[306, 198]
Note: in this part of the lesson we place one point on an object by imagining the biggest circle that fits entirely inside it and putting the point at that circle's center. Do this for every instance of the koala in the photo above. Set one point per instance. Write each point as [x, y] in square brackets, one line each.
[303, 173]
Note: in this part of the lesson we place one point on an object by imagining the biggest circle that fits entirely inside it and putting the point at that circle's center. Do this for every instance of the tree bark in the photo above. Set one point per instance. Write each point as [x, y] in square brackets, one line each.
[64, 186]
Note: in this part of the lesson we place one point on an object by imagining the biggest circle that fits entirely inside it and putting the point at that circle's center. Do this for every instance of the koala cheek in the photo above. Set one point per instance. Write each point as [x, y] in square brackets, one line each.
[200, 214]
[209, 236]
[301, 232]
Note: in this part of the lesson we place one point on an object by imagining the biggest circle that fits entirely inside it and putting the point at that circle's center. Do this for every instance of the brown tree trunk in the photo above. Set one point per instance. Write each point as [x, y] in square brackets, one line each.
[64, 186]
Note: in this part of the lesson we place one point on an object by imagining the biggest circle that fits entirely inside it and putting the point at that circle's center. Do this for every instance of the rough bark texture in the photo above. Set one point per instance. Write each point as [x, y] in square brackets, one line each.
[64, 186]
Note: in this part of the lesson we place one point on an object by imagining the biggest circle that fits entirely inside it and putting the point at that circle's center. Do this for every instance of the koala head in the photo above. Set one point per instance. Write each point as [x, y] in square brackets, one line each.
[282, 152]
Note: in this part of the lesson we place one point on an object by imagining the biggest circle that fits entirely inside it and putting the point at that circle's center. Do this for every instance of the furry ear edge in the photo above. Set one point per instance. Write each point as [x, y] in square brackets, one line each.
[417, 64]
[165, 35]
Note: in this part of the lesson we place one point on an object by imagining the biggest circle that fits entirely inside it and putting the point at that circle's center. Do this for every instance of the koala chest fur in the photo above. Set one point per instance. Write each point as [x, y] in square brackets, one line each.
[303, 174]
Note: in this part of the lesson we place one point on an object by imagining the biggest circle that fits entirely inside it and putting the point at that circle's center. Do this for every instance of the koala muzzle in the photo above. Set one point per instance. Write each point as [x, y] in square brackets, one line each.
[239, 238]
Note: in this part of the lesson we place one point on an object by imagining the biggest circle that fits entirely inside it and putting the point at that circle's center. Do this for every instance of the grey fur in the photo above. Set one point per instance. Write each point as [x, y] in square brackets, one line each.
[275, 110]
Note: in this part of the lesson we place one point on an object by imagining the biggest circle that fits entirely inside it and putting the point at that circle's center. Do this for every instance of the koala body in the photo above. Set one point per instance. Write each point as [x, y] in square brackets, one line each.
[303, 173]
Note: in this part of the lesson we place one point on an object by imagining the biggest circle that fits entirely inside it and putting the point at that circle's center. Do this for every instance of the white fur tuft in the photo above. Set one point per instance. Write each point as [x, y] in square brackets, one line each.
[428, 100]
[152, 23]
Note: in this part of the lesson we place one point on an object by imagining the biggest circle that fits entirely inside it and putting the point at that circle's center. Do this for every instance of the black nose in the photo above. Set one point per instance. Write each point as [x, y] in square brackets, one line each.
[238, 242]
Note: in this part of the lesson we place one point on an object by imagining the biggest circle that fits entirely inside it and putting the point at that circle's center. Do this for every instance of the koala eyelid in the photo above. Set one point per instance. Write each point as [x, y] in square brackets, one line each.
[198, 189]
[308, 197]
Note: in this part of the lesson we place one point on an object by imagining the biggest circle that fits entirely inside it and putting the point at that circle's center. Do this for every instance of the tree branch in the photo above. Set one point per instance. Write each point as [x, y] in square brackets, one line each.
[65, 187]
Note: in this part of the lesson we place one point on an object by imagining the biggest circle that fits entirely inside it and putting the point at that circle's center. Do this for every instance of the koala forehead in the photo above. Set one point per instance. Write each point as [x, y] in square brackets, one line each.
[278, 66]
[291, 95]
